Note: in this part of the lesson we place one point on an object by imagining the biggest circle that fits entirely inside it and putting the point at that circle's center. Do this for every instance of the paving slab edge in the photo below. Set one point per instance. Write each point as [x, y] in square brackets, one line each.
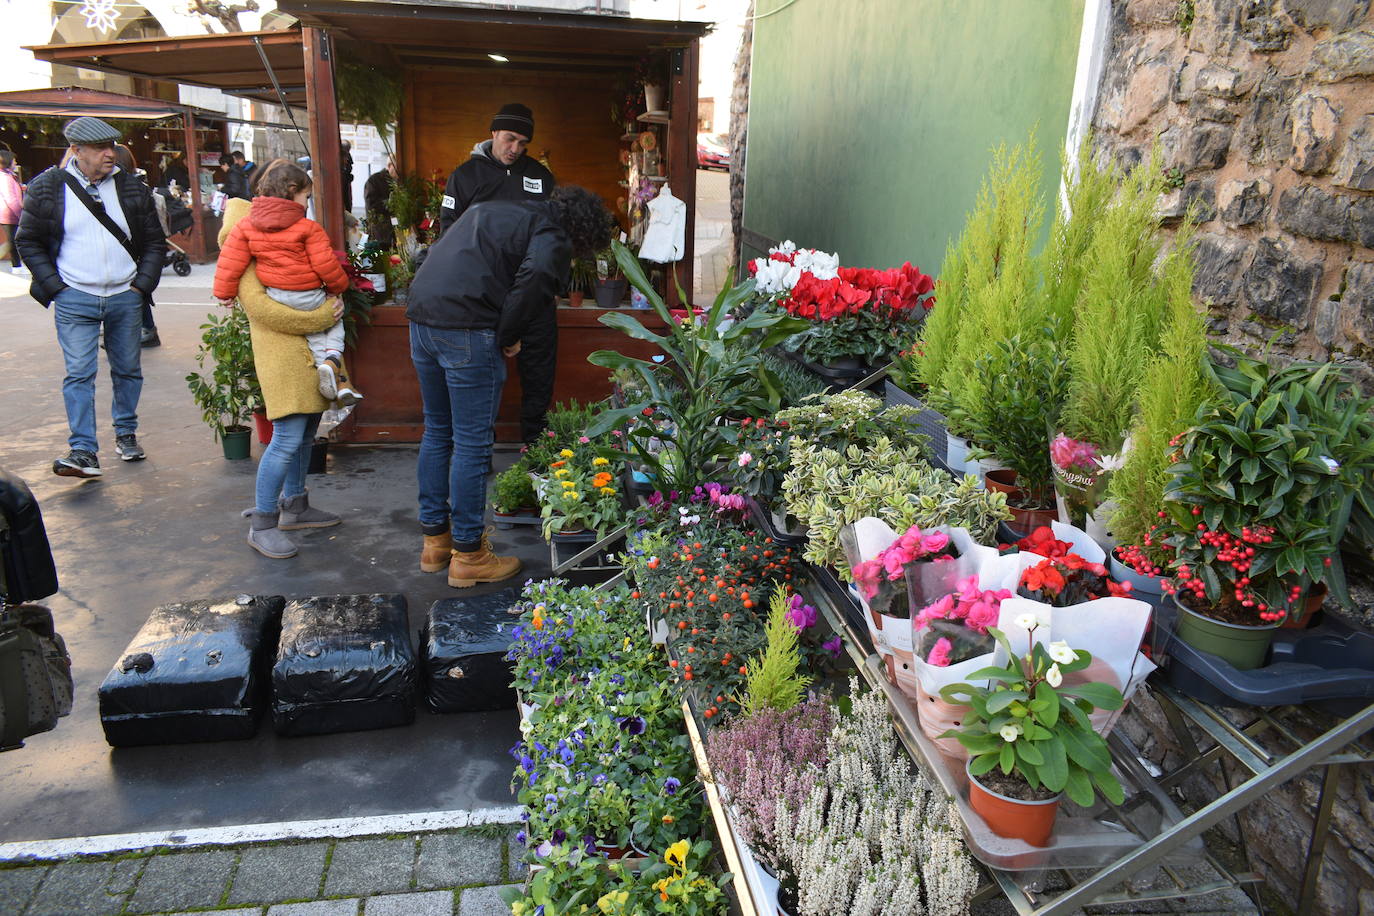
[247, 834]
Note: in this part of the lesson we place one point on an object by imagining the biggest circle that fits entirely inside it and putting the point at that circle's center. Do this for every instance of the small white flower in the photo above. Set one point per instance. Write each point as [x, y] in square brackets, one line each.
[1027, 621]
[1009, 733]
[1061, 653]
[745, 458]
[1054, 677]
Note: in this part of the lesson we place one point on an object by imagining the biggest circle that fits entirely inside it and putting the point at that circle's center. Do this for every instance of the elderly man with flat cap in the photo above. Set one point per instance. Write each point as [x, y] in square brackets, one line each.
[499, 169]
[91, 238]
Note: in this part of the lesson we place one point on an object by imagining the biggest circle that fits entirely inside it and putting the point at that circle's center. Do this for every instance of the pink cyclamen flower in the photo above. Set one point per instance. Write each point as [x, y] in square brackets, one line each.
[1069, 453]
[939, 653]
[834, 646]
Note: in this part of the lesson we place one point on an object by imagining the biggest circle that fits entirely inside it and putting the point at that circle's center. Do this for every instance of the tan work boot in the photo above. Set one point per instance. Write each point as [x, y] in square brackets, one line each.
[437, 551]
[481, 565]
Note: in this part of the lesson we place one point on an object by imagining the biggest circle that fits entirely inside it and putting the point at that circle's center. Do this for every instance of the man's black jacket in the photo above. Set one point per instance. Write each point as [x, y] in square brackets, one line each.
[482, 178]
[235, 183]
[497, 267]
[39, 237]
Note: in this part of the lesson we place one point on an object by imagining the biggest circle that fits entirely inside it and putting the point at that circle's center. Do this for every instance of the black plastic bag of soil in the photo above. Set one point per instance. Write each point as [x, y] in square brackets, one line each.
[463, 651]
[344, 663]
[195, 671]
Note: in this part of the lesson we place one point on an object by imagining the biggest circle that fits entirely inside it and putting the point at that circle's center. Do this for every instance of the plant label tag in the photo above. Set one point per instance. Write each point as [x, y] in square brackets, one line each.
[534, 185]
[447, 202]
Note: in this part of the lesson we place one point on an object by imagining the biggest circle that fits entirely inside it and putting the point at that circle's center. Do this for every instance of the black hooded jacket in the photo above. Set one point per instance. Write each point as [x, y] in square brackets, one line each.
[497, 267]
[482, 178]
[39, 237]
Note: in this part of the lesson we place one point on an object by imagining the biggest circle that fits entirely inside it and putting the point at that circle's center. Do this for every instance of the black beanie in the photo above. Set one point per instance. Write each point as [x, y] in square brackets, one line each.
[516, 118]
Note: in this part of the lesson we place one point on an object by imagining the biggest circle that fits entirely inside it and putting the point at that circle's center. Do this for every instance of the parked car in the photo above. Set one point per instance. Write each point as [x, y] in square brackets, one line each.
[712, 152]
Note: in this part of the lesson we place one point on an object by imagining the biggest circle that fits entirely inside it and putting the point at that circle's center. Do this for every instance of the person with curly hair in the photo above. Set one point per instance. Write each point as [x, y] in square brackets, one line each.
[486, 282]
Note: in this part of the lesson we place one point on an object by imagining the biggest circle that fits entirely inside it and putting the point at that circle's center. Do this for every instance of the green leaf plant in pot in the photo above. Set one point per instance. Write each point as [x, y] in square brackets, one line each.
[227, 395]
[581, 280]
[513, 492]
[703, 373]
[1030, 739]
[1263, 490]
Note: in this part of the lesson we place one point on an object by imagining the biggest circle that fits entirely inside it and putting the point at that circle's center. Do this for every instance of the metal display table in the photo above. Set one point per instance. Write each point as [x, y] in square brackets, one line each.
[1153, 838]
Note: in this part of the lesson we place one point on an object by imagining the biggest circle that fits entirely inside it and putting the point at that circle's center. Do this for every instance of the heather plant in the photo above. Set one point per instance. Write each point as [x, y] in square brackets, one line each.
[770, 755]
[872, 836]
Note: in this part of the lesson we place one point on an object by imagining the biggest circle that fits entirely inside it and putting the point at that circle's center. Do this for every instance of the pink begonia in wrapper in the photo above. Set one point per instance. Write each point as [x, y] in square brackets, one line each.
[939, 653]
[1072, 453]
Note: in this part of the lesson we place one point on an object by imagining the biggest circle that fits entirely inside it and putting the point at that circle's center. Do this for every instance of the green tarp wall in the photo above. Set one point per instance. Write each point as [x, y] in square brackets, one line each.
[871, 122]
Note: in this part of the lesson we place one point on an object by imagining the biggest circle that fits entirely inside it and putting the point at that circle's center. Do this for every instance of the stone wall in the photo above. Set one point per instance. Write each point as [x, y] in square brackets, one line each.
[1263, 111]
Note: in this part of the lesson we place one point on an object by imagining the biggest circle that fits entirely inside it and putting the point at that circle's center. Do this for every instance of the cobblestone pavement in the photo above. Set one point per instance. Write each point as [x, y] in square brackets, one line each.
[444, 873]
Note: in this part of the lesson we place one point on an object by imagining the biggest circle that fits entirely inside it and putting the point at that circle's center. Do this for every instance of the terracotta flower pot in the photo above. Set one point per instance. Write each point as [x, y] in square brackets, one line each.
[575, 297]
[1310, 607]
[1029, 821]
[1002, 480]
[938, 716]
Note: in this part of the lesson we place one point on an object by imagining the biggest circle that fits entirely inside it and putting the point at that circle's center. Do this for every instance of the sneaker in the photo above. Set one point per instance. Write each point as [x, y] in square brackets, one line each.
[149, 338]
[77, 463]
[347, 396]
[20, 271]
[127, 447]
[329, 386]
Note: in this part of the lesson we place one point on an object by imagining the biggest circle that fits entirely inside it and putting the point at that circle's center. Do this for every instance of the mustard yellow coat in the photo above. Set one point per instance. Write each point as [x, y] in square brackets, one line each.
[286, 370]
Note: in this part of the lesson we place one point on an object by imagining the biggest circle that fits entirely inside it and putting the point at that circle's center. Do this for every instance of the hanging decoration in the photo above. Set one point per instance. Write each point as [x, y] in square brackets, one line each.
[100, 14]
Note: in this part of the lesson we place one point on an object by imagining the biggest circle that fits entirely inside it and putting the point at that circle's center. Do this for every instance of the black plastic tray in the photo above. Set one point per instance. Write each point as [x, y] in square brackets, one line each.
[842, 598]
[1331, 665]
[760, 516]
[928, 422]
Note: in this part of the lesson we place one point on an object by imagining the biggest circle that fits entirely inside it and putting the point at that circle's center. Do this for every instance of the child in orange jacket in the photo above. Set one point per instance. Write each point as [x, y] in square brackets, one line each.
[295, 262]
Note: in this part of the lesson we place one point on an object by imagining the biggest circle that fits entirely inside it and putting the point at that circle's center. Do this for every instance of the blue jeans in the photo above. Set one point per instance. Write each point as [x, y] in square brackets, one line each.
[282, 467]
[79, 317]
[461, 373]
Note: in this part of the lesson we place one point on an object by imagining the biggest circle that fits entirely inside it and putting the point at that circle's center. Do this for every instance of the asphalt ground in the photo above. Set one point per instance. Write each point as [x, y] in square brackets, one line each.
[168, 529]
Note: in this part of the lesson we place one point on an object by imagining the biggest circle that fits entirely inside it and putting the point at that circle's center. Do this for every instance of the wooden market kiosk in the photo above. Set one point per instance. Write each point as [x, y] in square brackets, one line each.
[565, 66]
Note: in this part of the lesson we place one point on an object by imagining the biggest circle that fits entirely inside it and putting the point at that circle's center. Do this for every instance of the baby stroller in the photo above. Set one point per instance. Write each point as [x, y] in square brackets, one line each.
[175, 217]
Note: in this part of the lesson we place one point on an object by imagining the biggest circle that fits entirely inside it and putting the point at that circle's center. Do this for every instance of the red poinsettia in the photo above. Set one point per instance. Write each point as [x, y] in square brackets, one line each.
[355, 276]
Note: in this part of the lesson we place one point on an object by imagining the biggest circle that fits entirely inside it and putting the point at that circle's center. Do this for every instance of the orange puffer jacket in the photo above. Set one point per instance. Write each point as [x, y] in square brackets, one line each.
[292, 252]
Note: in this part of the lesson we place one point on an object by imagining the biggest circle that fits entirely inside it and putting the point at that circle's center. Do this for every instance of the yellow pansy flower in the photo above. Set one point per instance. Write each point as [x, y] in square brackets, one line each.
[676, 855]
[613, 902]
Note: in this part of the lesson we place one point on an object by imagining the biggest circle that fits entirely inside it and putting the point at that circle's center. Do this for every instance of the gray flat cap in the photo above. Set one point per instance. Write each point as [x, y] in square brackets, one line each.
[89, 130]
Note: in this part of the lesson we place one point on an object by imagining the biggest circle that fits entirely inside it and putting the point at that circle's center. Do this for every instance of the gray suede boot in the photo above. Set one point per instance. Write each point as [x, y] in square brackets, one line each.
[267, 539]
[297, 513]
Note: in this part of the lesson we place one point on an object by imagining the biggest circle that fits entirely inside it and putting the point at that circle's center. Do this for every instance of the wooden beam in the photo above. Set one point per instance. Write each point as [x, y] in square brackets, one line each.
[323, 114]
[682, 156]
[197, 248]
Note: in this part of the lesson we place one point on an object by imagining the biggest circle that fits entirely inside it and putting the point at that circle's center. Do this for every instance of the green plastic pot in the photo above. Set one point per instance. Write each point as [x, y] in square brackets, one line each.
[237, 442]
[1243, 647]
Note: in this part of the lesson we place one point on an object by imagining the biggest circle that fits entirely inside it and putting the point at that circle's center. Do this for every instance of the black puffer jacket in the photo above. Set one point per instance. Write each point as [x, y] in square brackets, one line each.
[39, 237]
[497, 267]
[483, 178]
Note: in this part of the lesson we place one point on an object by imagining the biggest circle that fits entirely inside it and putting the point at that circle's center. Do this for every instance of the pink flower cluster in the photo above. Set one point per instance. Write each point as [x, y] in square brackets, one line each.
[1073, 453]
[977, 609]
[892, 562]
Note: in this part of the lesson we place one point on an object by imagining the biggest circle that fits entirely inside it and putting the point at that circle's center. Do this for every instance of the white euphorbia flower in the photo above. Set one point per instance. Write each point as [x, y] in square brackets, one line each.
[1009, 733]
[1054, 677]
[1027, 621]
[1061, 653]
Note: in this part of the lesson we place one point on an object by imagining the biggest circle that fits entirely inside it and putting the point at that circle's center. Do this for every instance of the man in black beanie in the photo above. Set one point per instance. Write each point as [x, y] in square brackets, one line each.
[499, 169]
